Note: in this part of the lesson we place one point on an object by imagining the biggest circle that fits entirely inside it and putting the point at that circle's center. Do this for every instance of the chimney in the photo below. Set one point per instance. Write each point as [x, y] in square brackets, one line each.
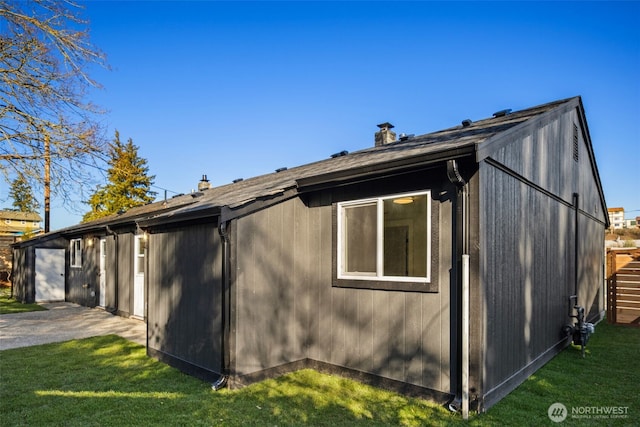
[204, 183]
[385, 135]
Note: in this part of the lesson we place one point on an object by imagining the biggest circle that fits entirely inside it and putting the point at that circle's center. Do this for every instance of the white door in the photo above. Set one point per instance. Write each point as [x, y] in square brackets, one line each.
[138, 281]
[50, 275]
[103, 273]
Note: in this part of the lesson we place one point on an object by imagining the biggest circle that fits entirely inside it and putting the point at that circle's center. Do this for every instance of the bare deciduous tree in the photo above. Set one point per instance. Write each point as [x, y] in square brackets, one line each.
[45, 119]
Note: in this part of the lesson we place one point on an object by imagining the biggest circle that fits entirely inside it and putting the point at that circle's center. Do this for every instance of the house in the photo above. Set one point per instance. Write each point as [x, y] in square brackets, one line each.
[16, 223]
[440, 265]
[13, 226]
[616, 218]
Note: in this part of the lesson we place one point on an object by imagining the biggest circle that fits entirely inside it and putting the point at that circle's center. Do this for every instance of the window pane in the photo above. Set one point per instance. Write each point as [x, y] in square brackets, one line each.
[140, 265]
[139, 255]
[359, 244]
[405, 236]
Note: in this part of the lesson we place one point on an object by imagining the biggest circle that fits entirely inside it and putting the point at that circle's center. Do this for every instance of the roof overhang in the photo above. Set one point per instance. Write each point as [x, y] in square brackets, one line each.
[387, 168]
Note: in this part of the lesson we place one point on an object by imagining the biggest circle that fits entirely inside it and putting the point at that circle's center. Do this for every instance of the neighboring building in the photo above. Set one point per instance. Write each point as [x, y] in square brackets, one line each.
[616, 218]
[361, 264]
[631, 223]
[13, 226]
[16, 223]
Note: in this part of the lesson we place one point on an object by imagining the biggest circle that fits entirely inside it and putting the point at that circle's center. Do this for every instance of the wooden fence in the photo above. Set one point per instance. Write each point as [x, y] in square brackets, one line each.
[623, 286]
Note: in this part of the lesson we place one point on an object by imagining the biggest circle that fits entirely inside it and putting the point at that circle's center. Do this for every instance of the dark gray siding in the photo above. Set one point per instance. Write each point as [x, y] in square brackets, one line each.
[111, 269]
[125, 275]
[184, 284]
[287, 309]
[528, 225]
[82, 282]
[23, 274]
[591, 255]
[527, 271]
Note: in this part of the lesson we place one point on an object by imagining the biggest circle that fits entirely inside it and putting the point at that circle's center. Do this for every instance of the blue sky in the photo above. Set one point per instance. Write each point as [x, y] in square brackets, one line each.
[240, 89]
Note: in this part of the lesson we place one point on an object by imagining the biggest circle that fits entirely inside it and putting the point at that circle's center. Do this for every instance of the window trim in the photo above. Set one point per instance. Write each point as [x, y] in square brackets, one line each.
[75, 254]
[377, 280]
[139, 254]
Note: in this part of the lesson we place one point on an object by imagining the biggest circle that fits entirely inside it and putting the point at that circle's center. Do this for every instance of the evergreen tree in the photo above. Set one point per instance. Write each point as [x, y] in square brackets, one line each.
[128, 186]
[22, 195]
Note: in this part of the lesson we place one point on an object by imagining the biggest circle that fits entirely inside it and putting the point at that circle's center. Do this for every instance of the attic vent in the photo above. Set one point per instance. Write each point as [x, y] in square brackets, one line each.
[237, 180]
[281, 169]
[576, 145]
[340, 154]
[404, 136]
[502, 113]
[466, 123]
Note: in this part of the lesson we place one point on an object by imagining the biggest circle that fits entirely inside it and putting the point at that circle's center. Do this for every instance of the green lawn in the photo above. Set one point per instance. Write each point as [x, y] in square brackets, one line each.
[108, 381]
[9, 305]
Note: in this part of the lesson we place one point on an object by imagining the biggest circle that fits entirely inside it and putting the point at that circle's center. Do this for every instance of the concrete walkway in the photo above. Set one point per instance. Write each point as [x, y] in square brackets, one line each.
[65, 321]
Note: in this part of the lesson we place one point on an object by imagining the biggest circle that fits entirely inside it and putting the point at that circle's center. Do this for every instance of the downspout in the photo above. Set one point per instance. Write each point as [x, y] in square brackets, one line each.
[576, 241]
[455, 178]
[223, 230]
[115, 267]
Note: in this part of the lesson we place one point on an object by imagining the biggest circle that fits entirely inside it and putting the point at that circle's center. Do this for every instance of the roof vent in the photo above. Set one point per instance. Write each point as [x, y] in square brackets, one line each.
[238, 180]
[404, 136]
[281, 169]
[197, 194]
[467, 122]
[340, 154]
[502, 113]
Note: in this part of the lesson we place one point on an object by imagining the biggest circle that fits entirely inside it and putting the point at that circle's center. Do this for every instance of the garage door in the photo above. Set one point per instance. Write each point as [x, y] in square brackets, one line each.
[50, 275]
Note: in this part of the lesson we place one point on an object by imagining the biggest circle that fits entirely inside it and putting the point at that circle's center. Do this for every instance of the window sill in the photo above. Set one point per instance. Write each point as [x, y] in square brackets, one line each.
[386, 285]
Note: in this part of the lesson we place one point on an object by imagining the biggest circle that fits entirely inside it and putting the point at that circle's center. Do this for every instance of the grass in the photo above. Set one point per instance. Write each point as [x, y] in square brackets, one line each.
[109, 381]
[9, 305]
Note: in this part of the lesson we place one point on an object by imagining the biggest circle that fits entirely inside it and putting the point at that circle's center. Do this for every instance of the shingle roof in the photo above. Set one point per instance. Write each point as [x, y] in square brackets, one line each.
[448, 143]
[458, 140]
[19, 216]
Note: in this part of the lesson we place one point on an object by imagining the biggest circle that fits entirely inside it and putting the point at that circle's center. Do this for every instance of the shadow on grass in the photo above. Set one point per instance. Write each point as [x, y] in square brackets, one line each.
[110, 381]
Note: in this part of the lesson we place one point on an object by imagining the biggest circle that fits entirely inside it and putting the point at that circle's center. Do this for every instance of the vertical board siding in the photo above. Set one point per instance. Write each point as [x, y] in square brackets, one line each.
[20, 276]
[83, 283]
[124, 281]
[527, 271]
[110, 271]
[528, 241]
[289, 311]
[591, 275]
[184, 295]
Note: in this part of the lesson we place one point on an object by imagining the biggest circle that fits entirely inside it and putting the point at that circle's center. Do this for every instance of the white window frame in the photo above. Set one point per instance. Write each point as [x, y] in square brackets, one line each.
[75, 253]
[140, 241]
[378, 276]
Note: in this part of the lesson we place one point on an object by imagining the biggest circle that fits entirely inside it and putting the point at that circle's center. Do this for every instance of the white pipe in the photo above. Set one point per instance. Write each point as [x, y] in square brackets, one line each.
[465, 336]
